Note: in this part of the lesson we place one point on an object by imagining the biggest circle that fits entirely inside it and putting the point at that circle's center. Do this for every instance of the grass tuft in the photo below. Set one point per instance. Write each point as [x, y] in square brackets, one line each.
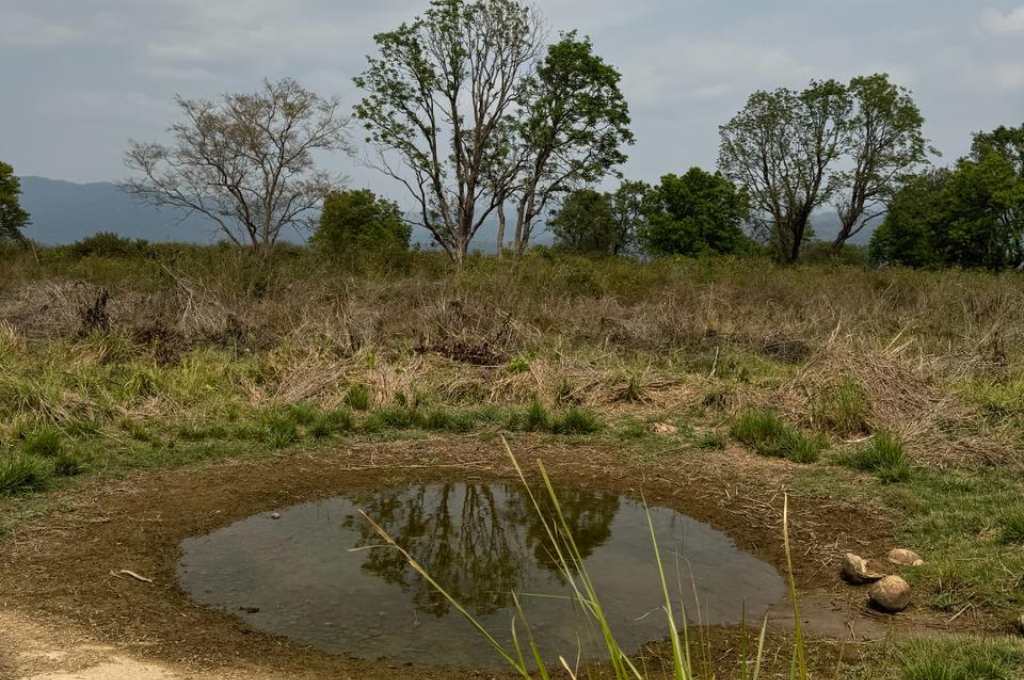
[44, 442]
[882, 455]
[24, 472]
[767, 434]
[844, 408]
[961, 659]
[358, 397]
[1012, 524]
[575, 421]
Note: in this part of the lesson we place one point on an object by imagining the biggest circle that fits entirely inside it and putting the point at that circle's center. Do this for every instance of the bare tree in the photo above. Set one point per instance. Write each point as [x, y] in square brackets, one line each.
[439, 97]
[245, 162]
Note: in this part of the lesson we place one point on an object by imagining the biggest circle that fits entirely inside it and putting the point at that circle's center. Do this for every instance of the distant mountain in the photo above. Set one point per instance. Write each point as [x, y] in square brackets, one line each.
[64, 212]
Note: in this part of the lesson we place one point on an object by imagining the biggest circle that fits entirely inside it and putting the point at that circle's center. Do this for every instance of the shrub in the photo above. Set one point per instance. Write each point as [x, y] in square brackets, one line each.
[767, 434]
[884, 456]
[358, 397]
[109, 244]
[356, 223]
[23, 472]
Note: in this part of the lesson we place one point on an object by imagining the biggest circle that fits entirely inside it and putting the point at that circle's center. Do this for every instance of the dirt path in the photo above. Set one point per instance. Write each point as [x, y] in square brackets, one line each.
[31, 651]
[65, 612]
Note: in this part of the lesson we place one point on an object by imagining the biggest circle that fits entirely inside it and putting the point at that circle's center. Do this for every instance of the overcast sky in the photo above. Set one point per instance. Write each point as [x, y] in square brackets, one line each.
[78, 78]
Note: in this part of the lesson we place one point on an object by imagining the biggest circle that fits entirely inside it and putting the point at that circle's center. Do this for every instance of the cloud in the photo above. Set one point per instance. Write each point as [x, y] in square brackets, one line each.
[1003, 23]
[19, 29]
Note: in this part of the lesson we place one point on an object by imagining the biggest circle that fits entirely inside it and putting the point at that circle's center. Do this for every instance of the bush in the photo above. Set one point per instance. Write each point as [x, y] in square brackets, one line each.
[23, 472]
[767, 434]
[109, 244]
[884, 456]
[356, 223]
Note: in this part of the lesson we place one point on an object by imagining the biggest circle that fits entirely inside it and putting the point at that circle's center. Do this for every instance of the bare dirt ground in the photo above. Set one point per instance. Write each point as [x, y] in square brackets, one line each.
[67, 613]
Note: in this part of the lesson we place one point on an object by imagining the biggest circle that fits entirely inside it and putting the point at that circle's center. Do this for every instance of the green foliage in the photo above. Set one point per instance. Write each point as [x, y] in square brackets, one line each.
[13, 218]
[698, 213]
[782, 148]
[23, 472]
[356, 224]
[884, 456]
[108, 244]
[970, 216]
[536, 418]
[767, 434]
[584, 224]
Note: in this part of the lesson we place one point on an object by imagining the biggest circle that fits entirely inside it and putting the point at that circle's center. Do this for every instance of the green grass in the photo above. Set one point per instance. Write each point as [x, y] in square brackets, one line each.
[843, 408]
[330, 423]
[883, 455]
[21, 472]
[575, 421]
[769, 435]
[358, 397]
[711, 441]
[45, 442]
[1012, 524]
[961, 659]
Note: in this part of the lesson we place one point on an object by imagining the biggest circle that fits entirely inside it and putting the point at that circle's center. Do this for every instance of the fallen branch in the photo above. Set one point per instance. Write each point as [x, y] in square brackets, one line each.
[126, 572]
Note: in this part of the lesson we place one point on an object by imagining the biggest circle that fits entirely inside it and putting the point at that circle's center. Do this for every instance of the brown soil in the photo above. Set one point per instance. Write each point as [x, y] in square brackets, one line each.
[58, 571]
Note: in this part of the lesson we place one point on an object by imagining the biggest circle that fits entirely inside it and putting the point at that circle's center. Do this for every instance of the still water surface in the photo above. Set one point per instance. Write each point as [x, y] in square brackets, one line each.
[298, 576]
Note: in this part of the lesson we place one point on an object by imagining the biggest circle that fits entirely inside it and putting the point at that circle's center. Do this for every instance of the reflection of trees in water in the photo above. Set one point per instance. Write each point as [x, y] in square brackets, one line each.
[476, 540]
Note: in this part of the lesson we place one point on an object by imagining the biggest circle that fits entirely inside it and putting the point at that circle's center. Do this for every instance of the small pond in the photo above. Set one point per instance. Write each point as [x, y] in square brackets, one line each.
[298, 576]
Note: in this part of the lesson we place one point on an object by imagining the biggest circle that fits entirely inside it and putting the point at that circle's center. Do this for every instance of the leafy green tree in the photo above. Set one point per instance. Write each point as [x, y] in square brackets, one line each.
[884, 145]
[782, 149]
[695, 214]
[571, 128]
[970, 216]
[13, 218]
[468, 112]
[356, 223]
[629, 204]
[585, 224]
[916, 216]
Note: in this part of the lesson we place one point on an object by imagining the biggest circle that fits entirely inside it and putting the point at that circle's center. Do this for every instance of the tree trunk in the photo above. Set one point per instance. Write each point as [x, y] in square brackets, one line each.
[501, 228]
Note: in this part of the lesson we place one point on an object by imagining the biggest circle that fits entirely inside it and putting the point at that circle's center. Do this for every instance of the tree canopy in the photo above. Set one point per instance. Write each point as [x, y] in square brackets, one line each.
[849, 145]
[969, 216]
[356, 223]
[694, 214]
[468, 111]
[13, 218]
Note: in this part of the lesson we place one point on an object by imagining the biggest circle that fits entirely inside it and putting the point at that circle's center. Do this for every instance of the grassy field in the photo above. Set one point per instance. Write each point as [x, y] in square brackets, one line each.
[902, 391]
